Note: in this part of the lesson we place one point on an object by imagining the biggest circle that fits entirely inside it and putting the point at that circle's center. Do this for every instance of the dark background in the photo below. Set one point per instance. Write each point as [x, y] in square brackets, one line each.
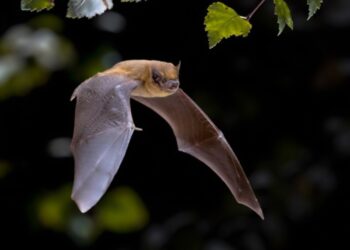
[282, 102]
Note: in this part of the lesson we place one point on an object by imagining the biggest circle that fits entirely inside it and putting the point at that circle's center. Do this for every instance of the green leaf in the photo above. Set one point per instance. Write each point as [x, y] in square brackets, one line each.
[122, 211]
[283, 14]
[223, 22]
[314, 6]
[37, 5]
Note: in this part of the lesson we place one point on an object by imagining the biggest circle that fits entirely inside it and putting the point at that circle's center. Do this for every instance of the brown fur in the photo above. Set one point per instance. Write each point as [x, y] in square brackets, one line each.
[141, 70]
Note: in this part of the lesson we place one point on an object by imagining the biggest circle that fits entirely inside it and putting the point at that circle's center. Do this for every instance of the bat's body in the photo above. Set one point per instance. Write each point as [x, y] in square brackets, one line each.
[104, 125]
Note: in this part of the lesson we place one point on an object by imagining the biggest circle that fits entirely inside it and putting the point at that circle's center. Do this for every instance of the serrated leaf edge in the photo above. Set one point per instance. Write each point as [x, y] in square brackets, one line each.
[281, 22]
[312, 13]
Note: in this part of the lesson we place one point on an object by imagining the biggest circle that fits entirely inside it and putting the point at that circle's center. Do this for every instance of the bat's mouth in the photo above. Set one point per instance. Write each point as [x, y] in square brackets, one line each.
[172, 85]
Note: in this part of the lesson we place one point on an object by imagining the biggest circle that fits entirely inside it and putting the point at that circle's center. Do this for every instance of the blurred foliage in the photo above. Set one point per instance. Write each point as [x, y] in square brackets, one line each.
[76, 8]
[47, 21]
[5, 168]
[103, 57]
[122, 211]
[29, 54]
[55, 208]
[87, 8]
[37, 5]
[55, 211]
[59, 147]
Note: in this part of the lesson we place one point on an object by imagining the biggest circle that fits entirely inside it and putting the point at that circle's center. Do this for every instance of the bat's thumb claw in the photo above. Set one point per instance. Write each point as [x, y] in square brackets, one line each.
[138, 129]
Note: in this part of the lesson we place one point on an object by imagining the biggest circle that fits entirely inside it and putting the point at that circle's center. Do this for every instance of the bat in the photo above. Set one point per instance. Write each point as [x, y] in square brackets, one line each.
[103, 127]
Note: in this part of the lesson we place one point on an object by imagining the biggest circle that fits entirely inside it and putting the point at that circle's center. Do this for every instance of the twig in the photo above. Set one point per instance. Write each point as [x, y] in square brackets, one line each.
[255, 10]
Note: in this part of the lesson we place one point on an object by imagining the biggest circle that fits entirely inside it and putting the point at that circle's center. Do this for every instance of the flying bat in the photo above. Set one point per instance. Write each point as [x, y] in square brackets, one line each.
[103, 127]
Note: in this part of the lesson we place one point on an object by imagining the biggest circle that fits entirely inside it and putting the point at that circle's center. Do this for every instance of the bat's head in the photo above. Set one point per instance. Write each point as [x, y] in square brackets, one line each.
[164, 78]
[158, 78]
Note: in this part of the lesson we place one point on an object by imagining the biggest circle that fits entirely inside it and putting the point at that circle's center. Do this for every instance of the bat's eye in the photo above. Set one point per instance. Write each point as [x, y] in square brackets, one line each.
[156, 76]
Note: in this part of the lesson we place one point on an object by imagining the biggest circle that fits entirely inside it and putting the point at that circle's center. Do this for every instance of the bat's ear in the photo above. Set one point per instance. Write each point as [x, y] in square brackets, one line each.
[178, 66]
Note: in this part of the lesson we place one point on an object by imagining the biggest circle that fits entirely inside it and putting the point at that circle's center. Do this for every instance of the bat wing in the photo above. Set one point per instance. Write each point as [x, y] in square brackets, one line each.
[198, 136]
[102, 131]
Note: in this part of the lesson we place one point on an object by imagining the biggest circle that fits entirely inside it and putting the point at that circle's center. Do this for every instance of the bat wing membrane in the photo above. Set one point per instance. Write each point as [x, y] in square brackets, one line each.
[198, 136]
[102, 131]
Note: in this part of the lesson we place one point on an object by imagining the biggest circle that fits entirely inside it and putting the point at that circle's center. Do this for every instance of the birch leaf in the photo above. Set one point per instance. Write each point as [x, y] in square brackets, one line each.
[223, 22]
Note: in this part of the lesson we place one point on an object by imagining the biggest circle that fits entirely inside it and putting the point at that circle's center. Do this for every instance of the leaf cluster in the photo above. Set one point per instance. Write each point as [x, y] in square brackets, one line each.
[76, 8]
[223, 21]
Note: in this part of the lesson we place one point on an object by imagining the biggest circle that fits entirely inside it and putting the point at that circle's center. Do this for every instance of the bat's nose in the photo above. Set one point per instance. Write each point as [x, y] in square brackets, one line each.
[172, 84]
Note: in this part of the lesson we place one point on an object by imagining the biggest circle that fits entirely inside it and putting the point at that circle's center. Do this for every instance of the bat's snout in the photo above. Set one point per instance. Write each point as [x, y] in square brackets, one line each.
[172, 85]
